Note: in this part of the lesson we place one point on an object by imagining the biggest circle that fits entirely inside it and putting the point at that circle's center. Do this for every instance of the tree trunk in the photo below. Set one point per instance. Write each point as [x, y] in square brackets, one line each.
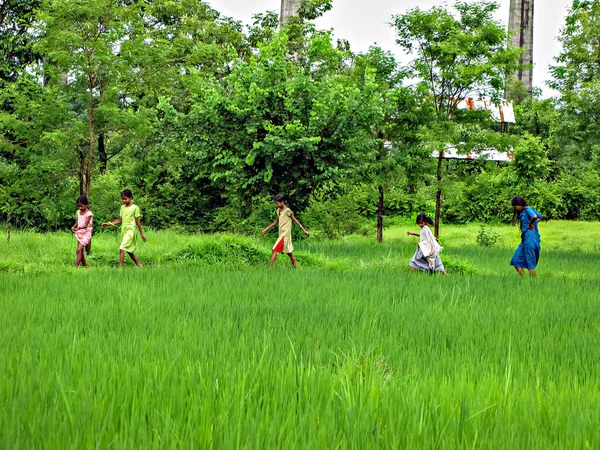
[438, 195]
[102, 154]
[81, 173]
[90, 156]
[380, 215]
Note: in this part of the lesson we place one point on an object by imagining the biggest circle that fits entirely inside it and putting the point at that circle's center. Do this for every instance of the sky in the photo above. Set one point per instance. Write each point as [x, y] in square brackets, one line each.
[364, 23]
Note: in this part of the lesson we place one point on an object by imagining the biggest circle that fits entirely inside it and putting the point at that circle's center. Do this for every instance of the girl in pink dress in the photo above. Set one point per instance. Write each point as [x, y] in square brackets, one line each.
[83, 229]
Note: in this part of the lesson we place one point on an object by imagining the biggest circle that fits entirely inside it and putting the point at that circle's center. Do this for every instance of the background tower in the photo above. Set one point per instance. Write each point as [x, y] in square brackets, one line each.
[520, 25]
[289, 8]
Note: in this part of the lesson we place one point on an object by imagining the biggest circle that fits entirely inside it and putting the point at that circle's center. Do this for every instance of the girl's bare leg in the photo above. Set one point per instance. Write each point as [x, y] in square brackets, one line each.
[135, 260]
[293, 260]
[532, 273]
[79, 253]
[121, 257]
[273, 258]
[519, 271]
[83, 260]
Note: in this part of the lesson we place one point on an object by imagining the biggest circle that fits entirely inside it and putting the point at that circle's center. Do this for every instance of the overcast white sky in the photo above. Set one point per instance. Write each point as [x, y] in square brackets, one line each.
[364, 23]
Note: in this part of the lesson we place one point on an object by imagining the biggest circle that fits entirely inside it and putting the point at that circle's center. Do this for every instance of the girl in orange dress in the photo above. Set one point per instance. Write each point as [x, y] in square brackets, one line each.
[83, 229]
[285, 218]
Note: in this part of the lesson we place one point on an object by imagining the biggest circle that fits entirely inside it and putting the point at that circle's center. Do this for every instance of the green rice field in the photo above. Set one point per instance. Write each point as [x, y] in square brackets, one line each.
[205, 347]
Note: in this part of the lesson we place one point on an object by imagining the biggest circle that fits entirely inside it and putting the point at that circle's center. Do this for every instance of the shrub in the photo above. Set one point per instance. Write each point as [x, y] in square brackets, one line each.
[487, 237]
[333, 217]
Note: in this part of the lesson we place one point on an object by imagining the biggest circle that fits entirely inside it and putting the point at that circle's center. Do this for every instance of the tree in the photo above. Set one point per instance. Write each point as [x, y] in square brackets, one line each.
[455, 57]
[287, 119]
[531, 161]
[395, 136]
[576, 76]
[16, 39]
[81, 40]
[35, 164]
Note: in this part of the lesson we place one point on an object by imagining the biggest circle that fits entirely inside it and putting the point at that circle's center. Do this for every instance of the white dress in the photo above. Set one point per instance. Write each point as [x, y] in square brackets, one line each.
[427, 255]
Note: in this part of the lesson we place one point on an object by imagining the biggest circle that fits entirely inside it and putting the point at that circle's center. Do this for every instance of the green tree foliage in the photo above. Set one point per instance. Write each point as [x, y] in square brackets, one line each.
[206, 119]
[396, 146]
[576, 76]
[531, 161]
[16, 39]
[36, 183]
[455, 56]
[283, 120]
[313, 9]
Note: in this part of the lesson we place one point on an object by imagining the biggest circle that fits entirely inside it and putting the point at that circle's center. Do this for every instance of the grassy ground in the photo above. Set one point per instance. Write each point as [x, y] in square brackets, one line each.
[201, 349]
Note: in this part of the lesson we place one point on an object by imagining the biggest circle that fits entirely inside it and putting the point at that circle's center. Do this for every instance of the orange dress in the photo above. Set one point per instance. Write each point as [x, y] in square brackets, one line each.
[284, 241]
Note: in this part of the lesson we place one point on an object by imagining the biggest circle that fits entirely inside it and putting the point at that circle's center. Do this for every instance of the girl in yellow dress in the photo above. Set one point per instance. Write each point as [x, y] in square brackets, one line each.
[129, 219]
[284, 244]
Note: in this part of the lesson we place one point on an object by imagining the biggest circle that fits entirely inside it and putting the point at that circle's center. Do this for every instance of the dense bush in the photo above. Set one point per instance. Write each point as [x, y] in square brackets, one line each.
[334, 216]
[487, 237]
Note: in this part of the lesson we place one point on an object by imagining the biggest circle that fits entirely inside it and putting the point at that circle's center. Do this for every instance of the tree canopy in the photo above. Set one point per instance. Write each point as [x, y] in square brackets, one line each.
[206, 118]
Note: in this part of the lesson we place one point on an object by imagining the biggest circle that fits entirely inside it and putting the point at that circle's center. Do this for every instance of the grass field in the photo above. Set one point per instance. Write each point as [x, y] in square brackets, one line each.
[206, 348]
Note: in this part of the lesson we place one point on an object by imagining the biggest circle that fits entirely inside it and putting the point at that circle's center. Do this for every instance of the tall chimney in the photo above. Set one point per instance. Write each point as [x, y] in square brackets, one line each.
[289, 8]
[520, 25]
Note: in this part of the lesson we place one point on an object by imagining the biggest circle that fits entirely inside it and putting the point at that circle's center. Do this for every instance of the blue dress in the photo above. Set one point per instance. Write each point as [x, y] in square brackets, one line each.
[527, 254]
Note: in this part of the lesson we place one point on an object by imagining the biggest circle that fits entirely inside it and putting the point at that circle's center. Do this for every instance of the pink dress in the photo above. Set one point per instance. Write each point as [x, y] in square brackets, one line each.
[83, 233]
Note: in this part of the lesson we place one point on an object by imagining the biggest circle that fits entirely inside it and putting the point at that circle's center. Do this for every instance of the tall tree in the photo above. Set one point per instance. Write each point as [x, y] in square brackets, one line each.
[287, 119]
[395, 137]
[81, 40]
[16, 39]
[576, 76]
[456, 56]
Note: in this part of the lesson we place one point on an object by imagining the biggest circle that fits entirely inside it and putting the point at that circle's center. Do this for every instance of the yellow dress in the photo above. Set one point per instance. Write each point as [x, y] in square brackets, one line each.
[284, 241]
[128, 226]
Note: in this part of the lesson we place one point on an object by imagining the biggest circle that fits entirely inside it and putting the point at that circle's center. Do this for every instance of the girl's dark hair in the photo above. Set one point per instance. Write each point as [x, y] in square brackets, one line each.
[424, 218]
[127, 193]
[82, 200]
[518, 201]
[280, 198]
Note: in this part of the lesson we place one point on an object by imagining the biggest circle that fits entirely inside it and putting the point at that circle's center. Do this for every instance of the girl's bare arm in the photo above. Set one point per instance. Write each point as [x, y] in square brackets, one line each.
[266, 230]
[533, 220]
[300, 225]
[138, 222]
[109, 224]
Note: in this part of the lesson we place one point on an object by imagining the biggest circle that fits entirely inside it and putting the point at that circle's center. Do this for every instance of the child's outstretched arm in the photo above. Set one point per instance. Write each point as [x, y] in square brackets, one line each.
[410, 233]
[266, 230]
[300, 225]
[112, 224]
[138, 222]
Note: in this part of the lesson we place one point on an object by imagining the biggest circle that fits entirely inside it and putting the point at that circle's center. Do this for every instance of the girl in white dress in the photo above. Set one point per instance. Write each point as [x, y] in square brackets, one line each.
[427, 255]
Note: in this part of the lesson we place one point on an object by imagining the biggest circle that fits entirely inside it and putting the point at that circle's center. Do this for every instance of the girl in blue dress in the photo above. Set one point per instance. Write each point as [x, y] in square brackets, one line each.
[527, 254]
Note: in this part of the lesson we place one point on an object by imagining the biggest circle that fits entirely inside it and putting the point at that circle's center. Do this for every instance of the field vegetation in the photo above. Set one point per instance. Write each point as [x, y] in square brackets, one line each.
[205, 119]
[206, 348]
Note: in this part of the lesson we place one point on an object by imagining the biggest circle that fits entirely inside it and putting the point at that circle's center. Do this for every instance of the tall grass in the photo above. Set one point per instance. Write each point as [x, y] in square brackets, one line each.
[350, 352]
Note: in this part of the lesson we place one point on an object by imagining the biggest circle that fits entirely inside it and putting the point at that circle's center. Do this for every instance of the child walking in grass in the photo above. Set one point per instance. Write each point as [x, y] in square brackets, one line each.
[284, 244]
[83, 229]
[427, 255]
[129, 219]
[527, 254]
